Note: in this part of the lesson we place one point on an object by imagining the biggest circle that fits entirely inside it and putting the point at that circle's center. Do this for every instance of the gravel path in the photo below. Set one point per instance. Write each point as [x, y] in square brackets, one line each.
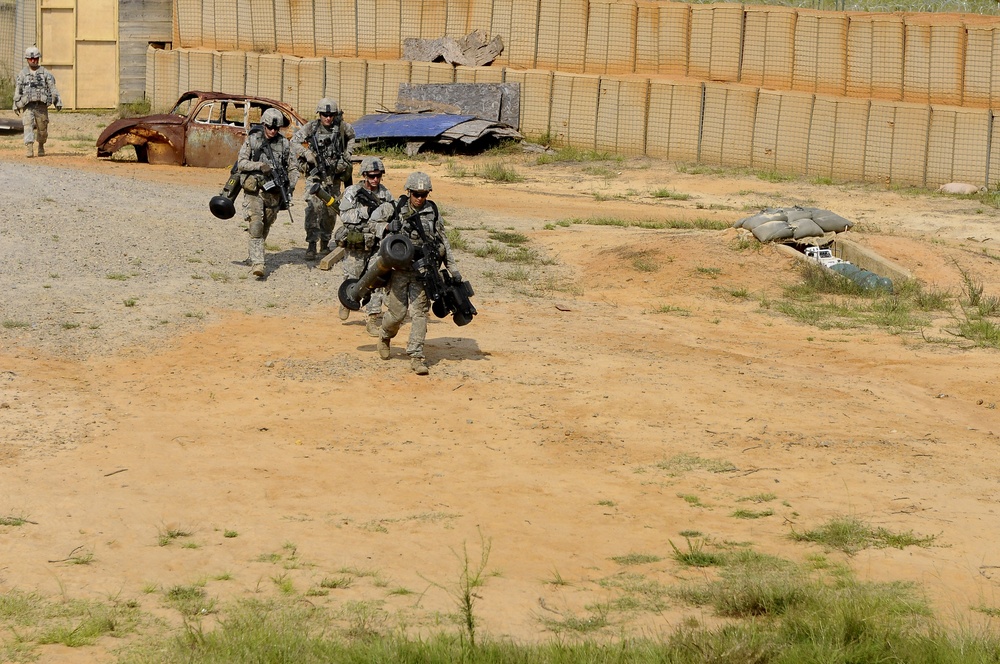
[95, 263]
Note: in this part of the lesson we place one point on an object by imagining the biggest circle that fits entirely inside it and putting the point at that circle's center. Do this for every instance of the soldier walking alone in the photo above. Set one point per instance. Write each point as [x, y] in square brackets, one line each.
[34, 91]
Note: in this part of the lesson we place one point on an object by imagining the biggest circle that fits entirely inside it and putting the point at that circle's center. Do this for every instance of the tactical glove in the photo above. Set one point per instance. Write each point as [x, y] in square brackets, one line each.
[265, 168]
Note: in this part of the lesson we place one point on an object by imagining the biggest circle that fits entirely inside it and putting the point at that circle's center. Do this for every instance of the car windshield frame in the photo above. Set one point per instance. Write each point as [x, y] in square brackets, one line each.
[222, 112]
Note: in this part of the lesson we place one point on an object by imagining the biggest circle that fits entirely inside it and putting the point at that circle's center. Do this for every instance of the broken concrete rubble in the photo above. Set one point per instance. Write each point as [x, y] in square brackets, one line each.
[473, 50]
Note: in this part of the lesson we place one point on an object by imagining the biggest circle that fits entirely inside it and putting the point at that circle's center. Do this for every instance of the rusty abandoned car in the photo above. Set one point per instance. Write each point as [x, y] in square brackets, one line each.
[203, 129]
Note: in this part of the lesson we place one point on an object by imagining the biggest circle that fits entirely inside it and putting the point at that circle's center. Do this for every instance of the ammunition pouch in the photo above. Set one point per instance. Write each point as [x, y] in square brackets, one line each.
[354, 238]
[251, 184]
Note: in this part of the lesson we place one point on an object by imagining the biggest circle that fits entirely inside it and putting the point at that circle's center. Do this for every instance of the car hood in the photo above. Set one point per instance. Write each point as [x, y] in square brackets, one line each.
[161, 119]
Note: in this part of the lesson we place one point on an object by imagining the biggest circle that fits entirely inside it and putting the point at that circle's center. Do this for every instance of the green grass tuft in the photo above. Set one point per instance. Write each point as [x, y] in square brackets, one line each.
[850, 535]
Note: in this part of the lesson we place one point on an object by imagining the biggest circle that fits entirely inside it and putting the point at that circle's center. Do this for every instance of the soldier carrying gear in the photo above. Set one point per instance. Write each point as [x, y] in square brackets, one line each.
[269, 177]
[324, 147]
[34, 91]
[357, 236]
[406, 289]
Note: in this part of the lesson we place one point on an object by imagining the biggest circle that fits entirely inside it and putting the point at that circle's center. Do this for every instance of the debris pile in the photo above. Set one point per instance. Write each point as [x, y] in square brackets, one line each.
[466, 117]
[475, 49]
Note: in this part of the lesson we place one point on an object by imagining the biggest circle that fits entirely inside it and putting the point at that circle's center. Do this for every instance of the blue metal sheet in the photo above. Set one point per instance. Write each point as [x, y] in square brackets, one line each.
[406, 125]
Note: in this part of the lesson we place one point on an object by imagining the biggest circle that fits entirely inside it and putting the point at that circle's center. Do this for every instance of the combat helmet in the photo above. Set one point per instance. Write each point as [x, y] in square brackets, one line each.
[418, 181]
[32, 52]
[372, 164]
[327, 105]
[272, 118]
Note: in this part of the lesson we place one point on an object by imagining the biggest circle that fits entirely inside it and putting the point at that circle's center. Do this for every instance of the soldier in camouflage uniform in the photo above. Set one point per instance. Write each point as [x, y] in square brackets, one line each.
[324, 147]
[34, 90]
[406, 292]
[265, 157]
[357, 236]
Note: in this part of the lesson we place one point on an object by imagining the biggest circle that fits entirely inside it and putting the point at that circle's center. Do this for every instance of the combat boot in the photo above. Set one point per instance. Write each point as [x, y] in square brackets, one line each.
[29, 150]
[257, 257]
[324, 247]
[383, 347]
[311, 252]
[344, 313]
[373, 326]
[419, 366]
[41, 149]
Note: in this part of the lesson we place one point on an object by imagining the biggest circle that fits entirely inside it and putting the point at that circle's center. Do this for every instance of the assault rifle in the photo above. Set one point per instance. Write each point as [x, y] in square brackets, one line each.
[447, 294]
[320, 171]
[279, 179]
[367, 198]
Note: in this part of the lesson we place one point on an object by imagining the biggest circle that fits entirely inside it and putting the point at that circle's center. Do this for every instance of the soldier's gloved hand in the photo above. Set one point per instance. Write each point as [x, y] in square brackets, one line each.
[59, 107]
[457, 276]
[310, 158]
[17, 111]
[265, 168]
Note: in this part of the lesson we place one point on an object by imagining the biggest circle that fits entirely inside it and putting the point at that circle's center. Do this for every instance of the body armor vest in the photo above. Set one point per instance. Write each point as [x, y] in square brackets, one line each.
[35, 87]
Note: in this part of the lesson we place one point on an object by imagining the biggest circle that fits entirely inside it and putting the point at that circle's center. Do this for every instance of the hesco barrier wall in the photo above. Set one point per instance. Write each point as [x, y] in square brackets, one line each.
[895, 98]
[925, 58]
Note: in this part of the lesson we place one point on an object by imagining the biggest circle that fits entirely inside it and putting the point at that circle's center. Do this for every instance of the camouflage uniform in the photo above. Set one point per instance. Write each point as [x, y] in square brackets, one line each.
[406, 292]
[357, 237]
[336, 144]
[260, 205]
[34, 90]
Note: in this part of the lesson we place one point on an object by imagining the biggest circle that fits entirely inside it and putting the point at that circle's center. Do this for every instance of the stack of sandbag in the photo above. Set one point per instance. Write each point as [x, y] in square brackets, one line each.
[794, 223]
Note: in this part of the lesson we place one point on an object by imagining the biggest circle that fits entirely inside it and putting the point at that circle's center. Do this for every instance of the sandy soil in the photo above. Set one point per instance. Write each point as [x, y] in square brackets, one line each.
[549, 427]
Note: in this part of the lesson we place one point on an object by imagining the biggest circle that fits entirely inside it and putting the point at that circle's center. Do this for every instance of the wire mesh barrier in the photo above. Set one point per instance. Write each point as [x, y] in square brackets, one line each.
[9, 60]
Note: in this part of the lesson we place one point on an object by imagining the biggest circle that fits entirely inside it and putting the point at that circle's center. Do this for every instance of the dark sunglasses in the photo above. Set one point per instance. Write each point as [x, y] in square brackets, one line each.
[375, 174]
[419, 194]
[327, 115]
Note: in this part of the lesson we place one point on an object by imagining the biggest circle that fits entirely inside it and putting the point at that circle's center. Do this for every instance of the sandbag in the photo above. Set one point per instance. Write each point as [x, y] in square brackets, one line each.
[773, 230]
[806, 228]
[756, 220]
[831, 222]
[963, 188]
[796, 213]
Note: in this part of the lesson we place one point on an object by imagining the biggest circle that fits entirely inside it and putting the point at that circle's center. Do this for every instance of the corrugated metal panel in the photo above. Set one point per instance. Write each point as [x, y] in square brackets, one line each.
[407, 125]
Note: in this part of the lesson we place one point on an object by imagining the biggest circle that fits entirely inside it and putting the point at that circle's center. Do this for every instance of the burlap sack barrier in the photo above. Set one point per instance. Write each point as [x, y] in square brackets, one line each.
[773, 230]
[793, 223]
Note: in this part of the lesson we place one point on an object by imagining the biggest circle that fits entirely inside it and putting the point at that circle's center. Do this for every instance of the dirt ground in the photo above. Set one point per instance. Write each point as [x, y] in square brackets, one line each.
[554, 428]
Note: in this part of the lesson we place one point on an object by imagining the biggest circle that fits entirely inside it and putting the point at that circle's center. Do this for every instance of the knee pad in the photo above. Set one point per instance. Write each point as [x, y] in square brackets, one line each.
[256, 229]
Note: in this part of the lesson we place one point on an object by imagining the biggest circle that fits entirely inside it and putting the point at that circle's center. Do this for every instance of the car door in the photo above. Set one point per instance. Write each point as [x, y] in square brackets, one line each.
[215, 133]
